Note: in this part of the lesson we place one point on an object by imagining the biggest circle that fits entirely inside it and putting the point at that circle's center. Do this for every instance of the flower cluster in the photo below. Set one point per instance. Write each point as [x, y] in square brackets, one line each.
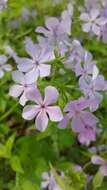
[56, 37]
[54, 43]
[94, 22]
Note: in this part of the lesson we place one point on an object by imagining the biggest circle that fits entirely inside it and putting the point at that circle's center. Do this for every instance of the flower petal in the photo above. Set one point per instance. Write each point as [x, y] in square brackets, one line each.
[86, 27]
[103, 170]
[16, 91]
[32, 76]
[25, 64]
[3, 59]
[97, 160]
[18, 77]
[1, 73]
[55, 113]
[84, 17]
[31, 48]
[64, 122]
[51, 23]
[44, 70]
[41, 121]
[33, 94]
[7, 67]
[23, 99]
[51, 95]
[30, 112]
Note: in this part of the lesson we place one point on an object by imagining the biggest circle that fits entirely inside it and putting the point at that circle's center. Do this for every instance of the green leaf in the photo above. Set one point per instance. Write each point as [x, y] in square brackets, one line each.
[16, 164]
[5, 150]
[97, 181]
[27, 185]
[9, 145]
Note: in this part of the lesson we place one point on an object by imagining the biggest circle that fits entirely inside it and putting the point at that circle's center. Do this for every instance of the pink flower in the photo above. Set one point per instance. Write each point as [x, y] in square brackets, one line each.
[43, 108]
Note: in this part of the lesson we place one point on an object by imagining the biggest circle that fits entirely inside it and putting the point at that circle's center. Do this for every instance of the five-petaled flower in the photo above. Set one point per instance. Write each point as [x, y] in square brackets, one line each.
[93, 21]
[35, 66]
[43, 108]
[83, 122]
[22, 86]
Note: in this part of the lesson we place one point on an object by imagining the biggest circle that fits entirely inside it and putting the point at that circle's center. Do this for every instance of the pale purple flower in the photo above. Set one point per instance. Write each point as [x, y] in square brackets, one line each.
[78, 168]
[57, 30]
[49, 181]
[97, 160]
[92, 4]
[21, 87]
[44, 109]
[76, 54]
[4, 67]
[93, 21]
[35, 66]
[104, 28]
[85, 69]
[83, 122]
[91, 87]
[25, 14]
[3, 4]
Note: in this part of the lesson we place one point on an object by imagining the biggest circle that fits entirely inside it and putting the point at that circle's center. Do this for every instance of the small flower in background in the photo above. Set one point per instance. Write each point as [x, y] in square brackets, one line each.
[104, 28]
[35, 66]
[4, 67]
[93, 21]
[97, 160]
[87, 68]
[49, 181]
[78, 168]
[44, 109]
[20, 89]
[92, 4]
[76, 54]
[14, 24]
[56, 2]
[3, 4]
[91, 88]
[27, 13]
[83, 122]
[58, 30]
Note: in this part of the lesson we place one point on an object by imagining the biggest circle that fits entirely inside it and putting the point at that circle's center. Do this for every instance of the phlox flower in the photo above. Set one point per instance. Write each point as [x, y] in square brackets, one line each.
[85, 69]
[4, 66]
[97, 160]
[3, 5]
[44, 109]
[21, 87]
[76, 54]
[58, 30]
[35, 66]
[49, 181]
[104, 28]
[93, 21]
[83, 122]
[91, 87]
